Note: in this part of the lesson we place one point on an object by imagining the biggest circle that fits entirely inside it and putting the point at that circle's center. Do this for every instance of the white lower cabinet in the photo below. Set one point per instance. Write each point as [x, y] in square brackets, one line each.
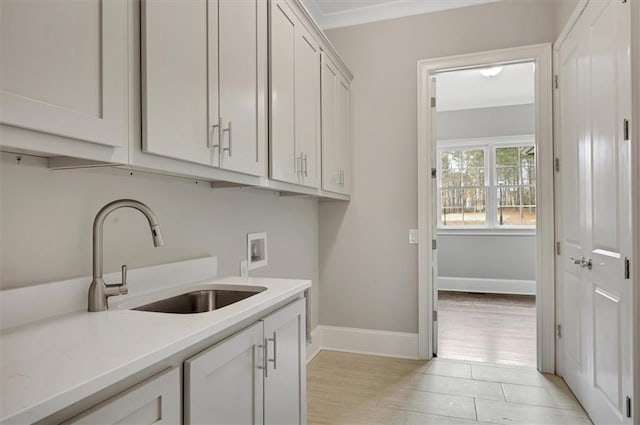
[154, 401]
[224, 384]
[285, 377]
[256, 376]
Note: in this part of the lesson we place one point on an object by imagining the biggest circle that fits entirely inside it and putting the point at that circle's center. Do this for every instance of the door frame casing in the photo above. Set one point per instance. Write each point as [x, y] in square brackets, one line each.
[545, 236]
[635, 204]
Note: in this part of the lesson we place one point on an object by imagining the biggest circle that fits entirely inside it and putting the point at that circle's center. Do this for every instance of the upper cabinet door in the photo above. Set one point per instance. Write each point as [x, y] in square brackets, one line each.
[175, 81]
[63, 68]
[284, 159]
[330, 150]
[343, 133]
[242, 78]
[307, 110]
[335, 128]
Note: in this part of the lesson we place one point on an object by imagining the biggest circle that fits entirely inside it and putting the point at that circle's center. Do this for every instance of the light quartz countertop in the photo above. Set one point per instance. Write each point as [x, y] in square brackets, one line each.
[51, 364]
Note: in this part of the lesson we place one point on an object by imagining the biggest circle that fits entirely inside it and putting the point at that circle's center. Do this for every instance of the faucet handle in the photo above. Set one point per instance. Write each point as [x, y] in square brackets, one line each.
[124, 289]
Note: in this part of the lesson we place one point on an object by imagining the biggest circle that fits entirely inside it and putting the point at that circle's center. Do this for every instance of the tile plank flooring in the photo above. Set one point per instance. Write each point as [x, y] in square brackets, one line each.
[355, 389]
[494, 328]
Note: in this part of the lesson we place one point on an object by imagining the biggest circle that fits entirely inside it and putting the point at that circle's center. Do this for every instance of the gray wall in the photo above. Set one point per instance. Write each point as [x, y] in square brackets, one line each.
[368, 272]
[487, 256]
[46, 220]
[486, 122]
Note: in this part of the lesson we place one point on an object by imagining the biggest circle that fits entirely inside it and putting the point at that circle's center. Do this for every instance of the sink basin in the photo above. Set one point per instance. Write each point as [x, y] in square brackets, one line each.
[199, 301]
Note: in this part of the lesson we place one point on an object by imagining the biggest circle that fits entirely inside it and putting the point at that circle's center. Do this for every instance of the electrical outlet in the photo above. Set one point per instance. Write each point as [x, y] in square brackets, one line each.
[413, 236]
[244, 271]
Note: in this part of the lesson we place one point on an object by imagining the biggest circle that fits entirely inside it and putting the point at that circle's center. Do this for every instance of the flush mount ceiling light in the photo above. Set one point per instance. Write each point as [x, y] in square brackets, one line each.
[491, 72]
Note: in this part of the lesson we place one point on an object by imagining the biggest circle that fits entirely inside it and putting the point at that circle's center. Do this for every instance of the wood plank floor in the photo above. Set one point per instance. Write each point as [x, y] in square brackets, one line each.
[494, 328]
[356, 389]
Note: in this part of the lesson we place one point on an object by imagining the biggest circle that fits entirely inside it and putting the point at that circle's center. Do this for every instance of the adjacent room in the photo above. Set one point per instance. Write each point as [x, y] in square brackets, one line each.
[486, 177]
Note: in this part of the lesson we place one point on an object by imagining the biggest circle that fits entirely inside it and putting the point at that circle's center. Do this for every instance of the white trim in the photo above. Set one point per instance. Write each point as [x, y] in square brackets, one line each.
[364, 341]
[541, 54]
[314, 347]
[488, 286]
[385, 10]
[485, 231]
[635, 203]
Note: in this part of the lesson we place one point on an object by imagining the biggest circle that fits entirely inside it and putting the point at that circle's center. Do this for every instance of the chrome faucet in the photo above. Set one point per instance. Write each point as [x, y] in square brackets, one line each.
[100, 291]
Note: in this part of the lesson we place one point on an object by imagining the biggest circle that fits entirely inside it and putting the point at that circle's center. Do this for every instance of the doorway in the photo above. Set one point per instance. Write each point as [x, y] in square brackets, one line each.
[485, 284]
[430, 200]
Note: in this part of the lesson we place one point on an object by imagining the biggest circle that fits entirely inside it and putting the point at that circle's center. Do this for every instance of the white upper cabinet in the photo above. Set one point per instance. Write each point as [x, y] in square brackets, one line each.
[336, 127]
[175, 82]
[63, 68]
[204, 76]
[295, 99]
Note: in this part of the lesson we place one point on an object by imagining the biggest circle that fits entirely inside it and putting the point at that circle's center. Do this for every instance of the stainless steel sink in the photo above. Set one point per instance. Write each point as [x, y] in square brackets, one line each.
[198, 301]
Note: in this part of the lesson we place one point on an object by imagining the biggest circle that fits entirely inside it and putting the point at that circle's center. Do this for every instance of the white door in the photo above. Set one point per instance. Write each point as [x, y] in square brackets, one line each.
[285, 378]
[571, 202]
[175, 79]
[307, 110]
[242, 77]
[63, 68]
[435, 207]
[155, 401]
[596, 346]
[224, 384]
[284, 158]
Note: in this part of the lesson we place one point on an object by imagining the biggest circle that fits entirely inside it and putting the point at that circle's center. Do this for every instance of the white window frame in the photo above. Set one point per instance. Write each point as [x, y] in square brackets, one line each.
[489, 145]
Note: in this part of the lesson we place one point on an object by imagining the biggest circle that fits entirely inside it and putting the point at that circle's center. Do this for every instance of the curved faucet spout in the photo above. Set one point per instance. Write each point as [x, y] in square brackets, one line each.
[99, 291]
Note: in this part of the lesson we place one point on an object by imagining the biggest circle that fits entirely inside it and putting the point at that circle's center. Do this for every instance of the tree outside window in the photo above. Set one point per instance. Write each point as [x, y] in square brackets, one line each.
[470, 176]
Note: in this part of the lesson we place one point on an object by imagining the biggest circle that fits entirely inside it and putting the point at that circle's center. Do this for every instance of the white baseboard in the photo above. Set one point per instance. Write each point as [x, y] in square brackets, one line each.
[492, 286]
[314, 347]
[363, 341]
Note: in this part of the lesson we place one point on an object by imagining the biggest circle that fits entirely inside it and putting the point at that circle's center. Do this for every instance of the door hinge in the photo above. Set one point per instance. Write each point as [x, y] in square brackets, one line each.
[433, 102]
[558, 248]
[434, 173]
[628, 403]
[556, 82]
[559, 331]
[625, 129]
[557, 165]
[435, 315]
[434, 244]
[627, 268]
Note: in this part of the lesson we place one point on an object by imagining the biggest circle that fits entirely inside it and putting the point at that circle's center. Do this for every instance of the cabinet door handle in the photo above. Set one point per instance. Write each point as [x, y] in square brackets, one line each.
[213, 128]
[229, 148]
[264, 359]
[305, 165]
[275, 351]
[299, 165]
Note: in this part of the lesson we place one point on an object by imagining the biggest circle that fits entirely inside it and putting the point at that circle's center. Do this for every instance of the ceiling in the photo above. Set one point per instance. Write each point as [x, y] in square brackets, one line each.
[469, 89]
[342, 13]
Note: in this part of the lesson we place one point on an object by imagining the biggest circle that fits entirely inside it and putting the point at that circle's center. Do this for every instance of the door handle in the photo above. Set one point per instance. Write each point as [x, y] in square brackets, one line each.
[274, 360]
[585, 263]
[230, 147]
[213, 128]
[264, 359]
[305, 165]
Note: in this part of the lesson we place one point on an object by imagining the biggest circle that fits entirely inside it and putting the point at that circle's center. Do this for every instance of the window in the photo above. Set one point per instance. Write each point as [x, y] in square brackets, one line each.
[490, 185]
